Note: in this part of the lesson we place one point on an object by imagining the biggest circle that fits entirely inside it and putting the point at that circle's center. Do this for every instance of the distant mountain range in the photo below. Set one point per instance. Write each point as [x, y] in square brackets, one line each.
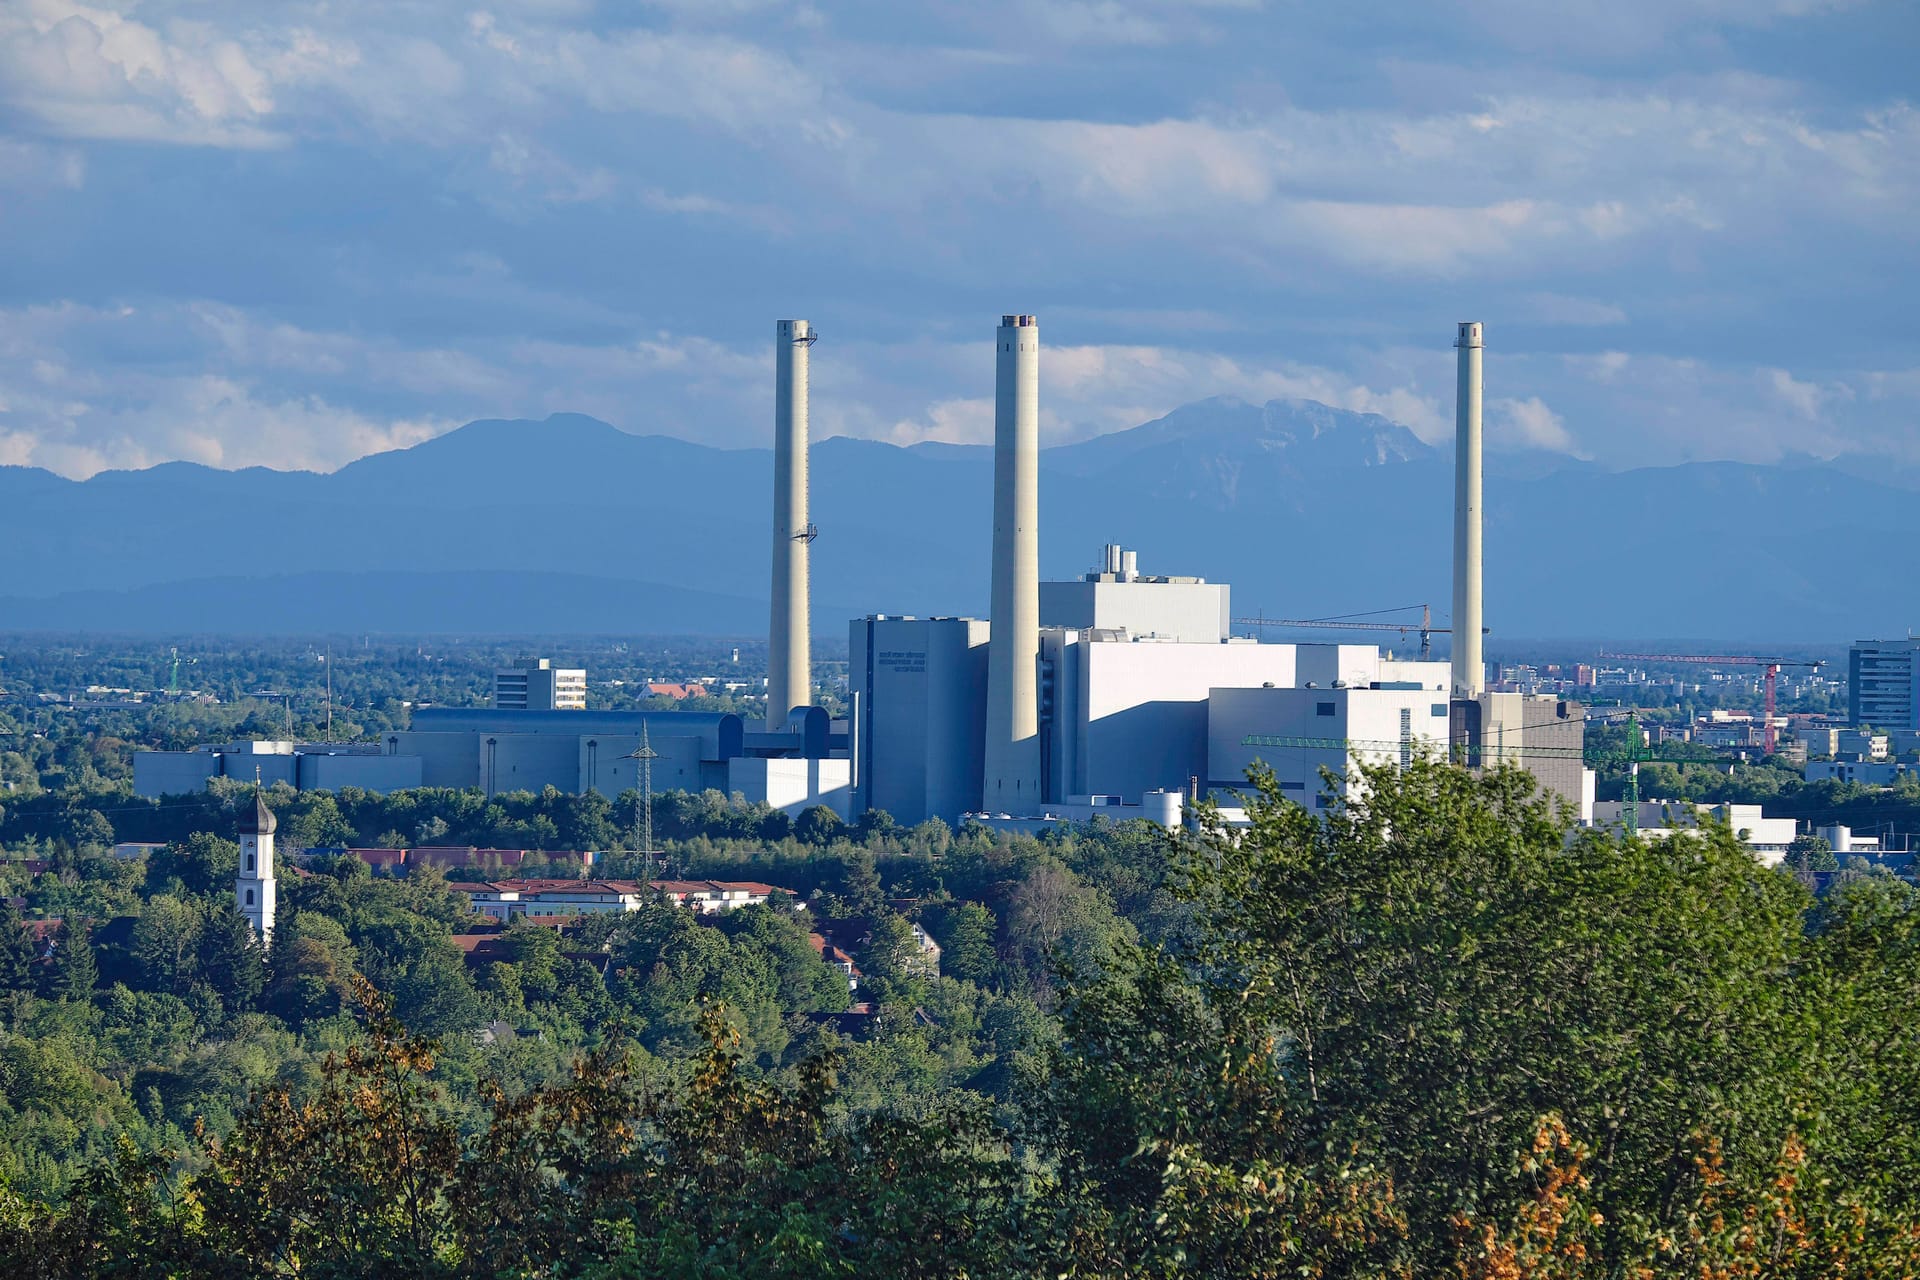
[570, 525]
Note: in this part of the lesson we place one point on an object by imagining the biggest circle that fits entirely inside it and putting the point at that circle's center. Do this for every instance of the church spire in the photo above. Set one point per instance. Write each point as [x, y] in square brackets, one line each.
[253, 886]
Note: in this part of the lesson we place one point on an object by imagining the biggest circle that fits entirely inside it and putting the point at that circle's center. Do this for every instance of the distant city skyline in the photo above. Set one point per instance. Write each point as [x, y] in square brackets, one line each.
[296, 234]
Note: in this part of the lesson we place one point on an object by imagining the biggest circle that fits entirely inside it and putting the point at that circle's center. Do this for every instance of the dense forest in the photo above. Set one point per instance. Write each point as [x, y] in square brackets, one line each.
[1438, 1032]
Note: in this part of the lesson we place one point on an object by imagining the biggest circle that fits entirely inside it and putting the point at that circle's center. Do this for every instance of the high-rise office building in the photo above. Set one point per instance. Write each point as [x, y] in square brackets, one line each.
[1883, 684]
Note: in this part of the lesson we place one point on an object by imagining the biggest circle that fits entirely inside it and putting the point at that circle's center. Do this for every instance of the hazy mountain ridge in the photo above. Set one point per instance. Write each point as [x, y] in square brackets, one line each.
[474, 602]
[1306, 509]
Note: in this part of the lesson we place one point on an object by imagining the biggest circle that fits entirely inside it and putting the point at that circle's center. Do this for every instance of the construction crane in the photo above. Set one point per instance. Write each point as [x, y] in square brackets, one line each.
[1771, 666]
[173, 673]
[1351, 622]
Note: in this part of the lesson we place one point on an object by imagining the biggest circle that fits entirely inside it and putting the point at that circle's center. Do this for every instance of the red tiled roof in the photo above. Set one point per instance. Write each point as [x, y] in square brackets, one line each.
[830, 953]
[41, 930]
[708, 886]
[678, 886]
[482, 946]
[525, 887]
[664, 689]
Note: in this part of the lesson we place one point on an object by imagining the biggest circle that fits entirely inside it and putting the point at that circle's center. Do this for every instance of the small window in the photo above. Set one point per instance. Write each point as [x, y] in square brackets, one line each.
[1440, 708]
[1323, 709]
[249, 897]
[249, 862]
[1320, 802]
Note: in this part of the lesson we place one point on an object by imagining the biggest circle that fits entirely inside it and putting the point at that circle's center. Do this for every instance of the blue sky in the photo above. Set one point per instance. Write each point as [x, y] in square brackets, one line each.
[290, 234]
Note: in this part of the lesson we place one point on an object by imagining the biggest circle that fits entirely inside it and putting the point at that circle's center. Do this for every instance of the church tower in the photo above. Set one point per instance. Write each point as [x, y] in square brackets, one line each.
[253, 888]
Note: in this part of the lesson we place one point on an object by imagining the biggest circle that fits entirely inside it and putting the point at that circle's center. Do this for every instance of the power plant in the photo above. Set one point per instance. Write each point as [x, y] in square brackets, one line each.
[1121, 693]
[1126, 694]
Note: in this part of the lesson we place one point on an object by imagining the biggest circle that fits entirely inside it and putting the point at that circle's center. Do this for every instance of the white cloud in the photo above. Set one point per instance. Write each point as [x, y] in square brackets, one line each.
[221, 387]
[1651, 409]
[962, 421]
[1091, 390]
[1529, 424]
[538, 139]
[1808, 399]
[231, 387]
[93, 73]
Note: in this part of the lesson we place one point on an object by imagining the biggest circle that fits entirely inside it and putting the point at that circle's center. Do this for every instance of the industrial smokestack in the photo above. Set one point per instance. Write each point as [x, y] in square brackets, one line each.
[1469, 671]
[789, 638]
[1012, 764]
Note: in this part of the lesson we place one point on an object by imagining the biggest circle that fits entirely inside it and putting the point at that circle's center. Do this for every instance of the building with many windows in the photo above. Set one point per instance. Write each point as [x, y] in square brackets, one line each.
[535, 684]
[1883, 684]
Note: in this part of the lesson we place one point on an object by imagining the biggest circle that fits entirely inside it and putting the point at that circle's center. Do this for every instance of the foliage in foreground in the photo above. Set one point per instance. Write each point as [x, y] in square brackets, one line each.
[1434, 1034]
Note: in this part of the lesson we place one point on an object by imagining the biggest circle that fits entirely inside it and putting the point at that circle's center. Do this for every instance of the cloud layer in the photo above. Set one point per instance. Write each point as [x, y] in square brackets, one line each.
[289, 235]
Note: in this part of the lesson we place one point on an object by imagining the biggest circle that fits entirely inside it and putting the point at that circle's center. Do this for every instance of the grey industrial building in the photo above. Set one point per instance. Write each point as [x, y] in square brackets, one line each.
[305, 766]
[497, 750]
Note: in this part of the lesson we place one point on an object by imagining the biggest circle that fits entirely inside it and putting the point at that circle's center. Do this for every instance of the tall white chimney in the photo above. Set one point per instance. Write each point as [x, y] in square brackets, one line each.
[789, 638]
[1469, 670]
[1012, 764]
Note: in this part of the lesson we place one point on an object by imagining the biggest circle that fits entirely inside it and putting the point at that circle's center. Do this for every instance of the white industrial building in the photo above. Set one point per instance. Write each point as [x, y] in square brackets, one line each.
[1765, 838]
[1117, 597]
[1128, 720]
[1297, 732]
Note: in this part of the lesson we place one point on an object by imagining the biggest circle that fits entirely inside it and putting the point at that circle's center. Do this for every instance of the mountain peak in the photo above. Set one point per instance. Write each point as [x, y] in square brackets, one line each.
[1225, 431]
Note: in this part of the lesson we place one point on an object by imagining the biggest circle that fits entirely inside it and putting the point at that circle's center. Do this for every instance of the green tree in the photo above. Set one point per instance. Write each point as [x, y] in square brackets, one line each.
[818, 826]
[310, 968]
[1410, 980]
[435, 997]
[203, 863]
[535, 949]
[1811, 853]
[965, 932]
[74, 971]
[859, 888]
[350, 1180]
[16, 949]
[231, 959]
[166, 944]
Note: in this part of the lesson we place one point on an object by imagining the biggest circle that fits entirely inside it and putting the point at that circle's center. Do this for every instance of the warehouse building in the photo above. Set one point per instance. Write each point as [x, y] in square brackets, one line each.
[303, 766]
